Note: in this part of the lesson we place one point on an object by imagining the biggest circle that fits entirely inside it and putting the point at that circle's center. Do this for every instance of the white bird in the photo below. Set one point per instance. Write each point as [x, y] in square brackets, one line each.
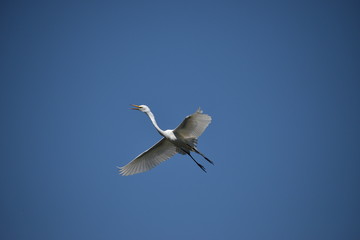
[182, 139]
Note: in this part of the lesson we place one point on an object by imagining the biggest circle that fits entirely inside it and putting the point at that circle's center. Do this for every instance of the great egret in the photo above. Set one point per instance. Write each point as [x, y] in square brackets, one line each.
[182, 139]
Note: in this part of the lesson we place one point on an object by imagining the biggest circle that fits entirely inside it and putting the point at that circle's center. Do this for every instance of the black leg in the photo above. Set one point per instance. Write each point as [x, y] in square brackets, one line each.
[203, 156]
[200, 166]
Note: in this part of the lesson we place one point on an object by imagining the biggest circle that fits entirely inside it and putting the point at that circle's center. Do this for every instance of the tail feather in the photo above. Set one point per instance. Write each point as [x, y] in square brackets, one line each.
[192, 142]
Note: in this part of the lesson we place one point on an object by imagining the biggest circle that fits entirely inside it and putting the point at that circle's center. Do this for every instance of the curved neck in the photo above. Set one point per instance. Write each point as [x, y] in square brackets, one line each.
[152, 118]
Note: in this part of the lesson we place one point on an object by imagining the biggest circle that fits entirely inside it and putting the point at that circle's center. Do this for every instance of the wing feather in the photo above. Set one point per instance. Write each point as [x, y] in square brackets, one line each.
[194, 125]
[160, 152]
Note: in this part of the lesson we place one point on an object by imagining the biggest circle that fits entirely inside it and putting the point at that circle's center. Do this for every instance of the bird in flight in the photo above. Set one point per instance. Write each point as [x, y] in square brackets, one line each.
[182, 139]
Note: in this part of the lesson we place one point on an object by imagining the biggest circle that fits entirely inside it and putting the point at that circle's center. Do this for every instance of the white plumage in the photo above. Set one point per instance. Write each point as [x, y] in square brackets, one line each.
[182, 139]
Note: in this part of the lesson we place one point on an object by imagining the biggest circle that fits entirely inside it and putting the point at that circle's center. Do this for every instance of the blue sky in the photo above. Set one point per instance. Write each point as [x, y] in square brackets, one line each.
[279, 78]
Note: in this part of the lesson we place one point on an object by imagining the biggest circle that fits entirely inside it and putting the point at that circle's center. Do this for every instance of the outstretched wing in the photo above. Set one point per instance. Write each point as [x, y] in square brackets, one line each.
[194, 125]
[160, 152]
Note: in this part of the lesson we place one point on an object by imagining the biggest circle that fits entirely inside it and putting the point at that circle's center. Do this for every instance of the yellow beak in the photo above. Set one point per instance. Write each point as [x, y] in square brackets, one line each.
[137, 107]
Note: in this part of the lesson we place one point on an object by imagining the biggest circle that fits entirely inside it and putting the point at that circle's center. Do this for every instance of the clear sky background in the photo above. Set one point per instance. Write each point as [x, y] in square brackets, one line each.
[281, 80]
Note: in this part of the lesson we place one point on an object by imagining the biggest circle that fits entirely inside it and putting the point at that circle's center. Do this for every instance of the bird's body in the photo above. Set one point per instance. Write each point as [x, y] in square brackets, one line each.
[169, 135]
[182, 139]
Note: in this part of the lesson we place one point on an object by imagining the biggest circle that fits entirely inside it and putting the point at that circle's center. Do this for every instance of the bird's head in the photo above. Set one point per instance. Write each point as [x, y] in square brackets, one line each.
[142, 108]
